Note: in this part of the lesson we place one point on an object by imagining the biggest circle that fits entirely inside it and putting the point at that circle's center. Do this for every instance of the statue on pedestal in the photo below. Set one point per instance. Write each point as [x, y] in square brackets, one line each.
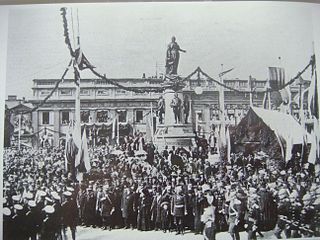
[161, 109]
[172, 58]
[176, 107]
[186, 108]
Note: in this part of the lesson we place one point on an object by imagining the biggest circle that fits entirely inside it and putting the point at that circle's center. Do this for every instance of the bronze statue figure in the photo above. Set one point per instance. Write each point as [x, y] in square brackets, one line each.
[176, 106]
[161, 109]
[173, 55]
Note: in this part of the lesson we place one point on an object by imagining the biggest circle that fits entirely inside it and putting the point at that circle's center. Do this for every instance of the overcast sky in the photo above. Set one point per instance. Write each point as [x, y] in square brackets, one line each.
[126, 40]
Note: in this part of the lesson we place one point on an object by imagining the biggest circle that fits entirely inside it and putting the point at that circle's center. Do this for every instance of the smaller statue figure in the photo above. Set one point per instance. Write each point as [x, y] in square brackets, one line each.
[161, 109]
[186, 108]
[176, 106]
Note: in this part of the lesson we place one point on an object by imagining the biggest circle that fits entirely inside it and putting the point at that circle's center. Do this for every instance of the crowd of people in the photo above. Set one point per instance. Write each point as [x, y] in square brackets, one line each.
[173, 190]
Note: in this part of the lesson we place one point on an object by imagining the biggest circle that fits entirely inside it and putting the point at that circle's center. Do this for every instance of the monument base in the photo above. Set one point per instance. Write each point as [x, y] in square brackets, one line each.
[178, 135]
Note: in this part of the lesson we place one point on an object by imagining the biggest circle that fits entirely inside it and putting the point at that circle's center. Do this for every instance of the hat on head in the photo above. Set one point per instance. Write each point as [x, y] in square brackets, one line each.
[16, 198]
[29, 196]
[55, 196]
[6, 211]
[18, 207]
[42, 193]
[205, 187]
[70, 189]
[31, 203]
[67, 194]
[49, 209]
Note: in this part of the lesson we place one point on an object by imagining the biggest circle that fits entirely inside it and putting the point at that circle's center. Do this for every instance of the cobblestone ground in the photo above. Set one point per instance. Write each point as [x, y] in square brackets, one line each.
[119, 234]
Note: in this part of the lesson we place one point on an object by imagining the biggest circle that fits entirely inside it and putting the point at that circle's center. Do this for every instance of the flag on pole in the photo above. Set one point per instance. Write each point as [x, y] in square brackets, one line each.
[77, 125]
[148, 130]
[114, 127]
[280, 94]
[84, 165]
[228, 145]
[313, 95]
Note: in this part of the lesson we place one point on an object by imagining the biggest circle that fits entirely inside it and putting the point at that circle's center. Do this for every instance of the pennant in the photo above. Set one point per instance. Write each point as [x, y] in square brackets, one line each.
[225, 72]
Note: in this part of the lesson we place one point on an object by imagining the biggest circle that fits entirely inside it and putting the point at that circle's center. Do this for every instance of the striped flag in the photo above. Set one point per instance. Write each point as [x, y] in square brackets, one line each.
[277, 81]
[276, 77]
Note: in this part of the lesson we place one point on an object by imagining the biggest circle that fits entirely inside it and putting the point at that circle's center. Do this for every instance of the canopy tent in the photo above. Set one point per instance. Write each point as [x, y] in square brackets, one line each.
[270, 131]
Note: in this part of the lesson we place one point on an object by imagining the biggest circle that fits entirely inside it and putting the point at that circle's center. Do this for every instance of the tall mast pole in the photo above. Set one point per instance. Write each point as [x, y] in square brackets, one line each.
[222, 110]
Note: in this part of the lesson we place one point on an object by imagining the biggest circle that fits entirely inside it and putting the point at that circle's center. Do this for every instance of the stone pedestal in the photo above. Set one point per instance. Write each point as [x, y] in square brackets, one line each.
[171, 133]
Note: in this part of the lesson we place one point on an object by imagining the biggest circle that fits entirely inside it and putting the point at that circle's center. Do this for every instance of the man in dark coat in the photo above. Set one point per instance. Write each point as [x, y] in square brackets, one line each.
[19, 222]
[127, 206]
[70, 213]
[106, 208]
[71, 152]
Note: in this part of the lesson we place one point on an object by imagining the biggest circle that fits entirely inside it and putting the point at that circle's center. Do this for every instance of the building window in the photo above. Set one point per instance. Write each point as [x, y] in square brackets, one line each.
[84, 92]
[84, 115]
[139, 116]
[122, 116]
[44, 92]
[102, 92]
[65, 92]
[121, 92]
[65, 117]
[103, 116]
[45, 117]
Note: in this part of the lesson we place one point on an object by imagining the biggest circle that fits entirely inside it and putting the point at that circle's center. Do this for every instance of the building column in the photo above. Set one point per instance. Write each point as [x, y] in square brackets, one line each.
[56, 127]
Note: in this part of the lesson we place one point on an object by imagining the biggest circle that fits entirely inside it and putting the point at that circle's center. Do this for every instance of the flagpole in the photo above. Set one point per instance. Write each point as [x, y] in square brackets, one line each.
[151, 119]
[222, 112]
[19, 133]
[250, 82]
[118, 129]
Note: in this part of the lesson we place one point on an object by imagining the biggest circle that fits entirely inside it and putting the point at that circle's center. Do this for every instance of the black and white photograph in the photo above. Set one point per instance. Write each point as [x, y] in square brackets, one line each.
[161, 120]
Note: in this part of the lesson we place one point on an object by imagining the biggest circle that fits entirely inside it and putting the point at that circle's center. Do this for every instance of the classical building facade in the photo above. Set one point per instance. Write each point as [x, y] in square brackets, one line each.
[101, 103]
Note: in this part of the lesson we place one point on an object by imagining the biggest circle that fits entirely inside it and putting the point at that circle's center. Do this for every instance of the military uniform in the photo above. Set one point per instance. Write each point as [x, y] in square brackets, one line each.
[179, 210]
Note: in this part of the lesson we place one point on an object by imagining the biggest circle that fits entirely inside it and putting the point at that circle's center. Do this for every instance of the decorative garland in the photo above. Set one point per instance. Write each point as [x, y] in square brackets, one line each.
[52, 91]
[66, 31]
[174, 82]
